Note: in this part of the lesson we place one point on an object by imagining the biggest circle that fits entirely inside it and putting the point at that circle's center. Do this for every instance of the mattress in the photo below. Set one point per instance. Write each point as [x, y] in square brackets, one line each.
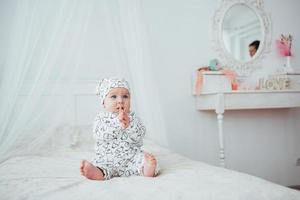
[56, 176]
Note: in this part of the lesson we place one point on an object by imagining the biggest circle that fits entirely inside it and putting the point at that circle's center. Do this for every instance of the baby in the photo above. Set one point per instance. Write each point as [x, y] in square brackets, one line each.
[119, 137]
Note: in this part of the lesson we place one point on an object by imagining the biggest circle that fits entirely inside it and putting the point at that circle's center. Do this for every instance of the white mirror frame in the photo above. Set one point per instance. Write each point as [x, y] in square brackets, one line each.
[226, 59]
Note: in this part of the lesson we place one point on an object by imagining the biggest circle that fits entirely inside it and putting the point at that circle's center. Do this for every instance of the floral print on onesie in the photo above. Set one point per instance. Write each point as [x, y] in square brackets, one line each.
[118, 151]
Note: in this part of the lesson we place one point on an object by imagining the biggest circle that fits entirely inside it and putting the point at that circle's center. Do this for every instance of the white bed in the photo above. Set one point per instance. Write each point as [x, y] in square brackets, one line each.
[56, 176]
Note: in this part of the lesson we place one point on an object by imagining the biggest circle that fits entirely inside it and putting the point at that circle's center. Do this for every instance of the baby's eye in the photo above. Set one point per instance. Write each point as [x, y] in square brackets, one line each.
[113, 96]
[125, 96]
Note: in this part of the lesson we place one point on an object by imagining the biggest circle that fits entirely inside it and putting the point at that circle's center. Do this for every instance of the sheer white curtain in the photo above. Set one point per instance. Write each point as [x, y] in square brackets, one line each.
[46, 46]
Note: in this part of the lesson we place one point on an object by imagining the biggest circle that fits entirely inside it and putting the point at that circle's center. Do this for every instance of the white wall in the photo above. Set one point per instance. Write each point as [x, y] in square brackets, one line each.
[262, 143]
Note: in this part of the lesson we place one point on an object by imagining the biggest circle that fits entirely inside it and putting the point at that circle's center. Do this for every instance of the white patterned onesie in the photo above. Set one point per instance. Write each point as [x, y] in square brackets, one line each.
[118, 150]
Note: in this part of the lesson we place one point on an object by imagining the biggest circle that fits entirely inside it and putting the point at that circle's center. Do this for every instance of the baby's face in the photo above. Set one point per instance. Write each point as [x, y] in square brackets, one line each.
[117, 99]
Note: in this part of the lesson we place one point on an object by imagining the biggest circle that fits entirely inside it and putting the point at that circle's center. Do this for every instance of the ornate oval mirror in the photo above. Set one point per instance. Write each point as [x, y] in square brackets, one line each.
[242, 36]
[242, 32]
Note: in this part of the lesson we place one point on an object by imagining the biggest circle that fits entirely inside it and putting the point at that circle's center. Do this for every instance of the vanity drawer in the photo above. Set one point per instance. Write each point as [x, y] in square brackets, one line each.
[215, 82]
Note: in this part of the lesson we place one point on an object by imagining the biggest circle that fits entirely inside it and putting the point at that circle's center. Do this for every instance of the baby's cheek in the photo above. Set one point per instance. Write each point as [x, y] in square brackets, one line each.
[127, 106]
[111, 107]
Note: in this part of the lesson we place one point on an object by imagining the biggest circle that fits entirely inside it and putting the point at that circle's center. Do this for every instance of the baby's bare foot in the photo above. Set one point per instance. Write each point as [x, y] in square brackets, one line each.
[149, 165]
[88, 170]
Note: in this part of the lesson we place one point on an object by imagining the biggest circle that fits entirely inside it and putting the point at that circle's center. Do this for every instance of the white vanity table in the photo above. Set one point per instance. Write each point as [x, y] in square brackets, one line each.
[219, 97]
[219, 102]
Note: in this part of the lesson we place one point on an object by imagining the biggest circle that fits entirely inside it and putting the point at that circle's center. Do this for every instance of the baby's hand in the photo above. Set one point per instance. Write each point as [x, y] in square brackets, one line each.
[123, 117]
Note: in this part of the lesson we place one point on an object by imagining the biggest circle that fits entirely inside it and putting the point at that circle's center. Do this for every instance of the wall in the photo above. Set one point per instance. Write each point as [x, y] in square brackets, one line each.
[262, 143]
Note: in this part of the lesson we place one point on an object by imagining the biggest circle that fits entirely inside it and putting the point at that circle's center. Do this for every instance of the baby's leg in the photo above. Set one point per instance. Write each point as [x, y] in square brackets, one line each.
[149, 165]
[88, 170]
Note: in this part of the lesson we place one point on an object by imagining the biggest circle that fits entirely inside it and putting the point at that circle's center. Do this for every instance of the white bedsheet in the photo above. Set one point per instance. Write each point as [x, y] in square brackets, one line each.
[57, 177]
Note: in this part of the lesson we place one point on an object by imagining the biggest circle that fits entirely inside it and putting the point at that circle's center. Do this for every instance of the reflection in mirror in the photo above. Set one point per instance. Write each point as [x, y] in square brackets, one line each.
[242, 32]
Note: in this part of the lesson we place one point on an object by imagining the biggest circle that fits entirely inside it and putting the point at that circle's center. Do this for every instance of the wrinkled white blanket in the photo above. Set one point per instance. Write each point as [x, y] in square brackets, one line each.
[57, 177]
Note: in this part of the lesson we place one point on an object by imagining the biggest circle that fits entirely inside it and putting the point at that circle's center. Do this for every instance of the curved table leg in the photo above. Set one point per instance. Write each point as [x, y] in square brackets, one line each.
[220, 117]
[221, 140]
